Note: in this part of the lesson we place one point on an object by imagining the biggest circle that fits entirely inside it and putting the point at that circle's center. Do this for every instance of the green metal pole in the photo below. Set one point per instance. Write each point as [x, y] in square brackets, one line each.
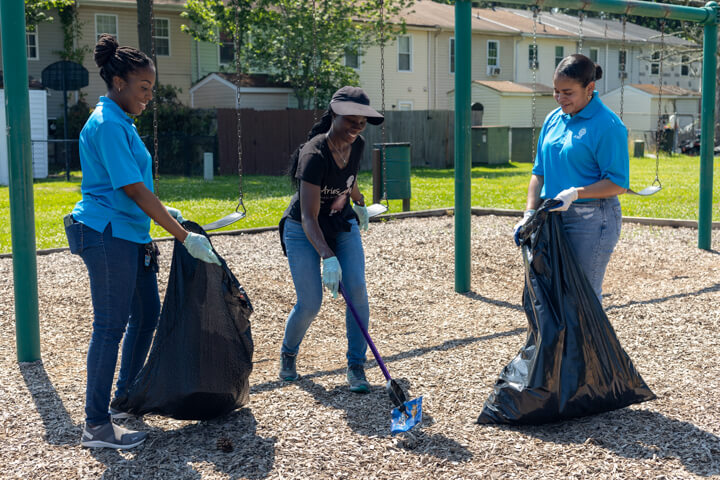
[463, 79]
[707, 127]
[22, 213]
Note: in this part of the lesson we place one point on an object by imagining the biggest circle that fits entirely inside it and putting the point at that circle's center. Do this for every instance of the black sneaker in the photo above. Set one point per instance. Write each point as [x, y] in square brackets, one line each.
[120, 415]
[109, 435]
[356, 379]
[287, 367]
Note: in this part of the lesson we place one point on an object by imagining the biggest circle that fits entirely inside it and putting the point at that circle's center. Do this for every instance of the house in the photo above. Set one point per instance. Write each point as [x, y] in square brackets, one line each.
[640, 106]
[220, 90]
[119, 18]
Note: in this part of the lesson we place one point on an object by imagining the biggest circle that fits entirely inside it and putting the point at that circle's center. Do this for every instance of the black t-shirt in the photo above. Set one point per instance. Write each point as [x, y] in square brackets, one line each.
[317, 166]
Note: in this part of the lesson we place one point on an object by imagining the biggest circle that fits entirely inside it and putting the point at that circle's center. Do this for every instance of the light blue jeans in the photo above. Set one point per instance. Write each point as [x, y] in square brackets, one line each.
[305, 269]
[593, 230]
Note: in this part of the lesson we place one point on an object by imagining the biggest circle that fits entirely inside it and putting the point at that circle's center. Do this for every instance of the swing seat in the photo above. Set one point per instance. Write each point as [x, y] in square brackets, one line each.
[376, 209]
[655, 187]
[228, 219]
[647, 191]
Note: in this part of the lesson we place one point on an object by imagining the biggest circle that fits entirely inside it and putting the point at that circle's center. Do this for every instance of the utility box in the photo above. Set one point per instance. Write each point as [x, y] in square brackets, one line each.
[521, 144]
[490, 145]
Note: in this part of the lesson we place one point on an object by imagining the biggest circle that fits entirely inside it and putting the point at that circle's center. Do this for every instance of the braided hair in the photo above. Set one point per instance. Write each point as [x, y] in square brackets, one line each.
[117, 61]
[322, 126]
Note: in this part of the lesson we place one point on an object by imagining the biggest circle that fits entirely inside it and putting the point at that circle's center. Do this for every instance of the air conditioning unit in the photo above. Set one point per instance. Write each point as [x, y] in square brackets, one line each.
[492, 70]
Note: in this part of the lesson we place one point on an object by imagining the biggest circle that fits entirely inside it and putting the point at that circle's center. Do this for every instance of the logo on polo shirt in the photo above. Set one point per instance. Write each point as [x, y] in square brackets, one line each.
[580, 134]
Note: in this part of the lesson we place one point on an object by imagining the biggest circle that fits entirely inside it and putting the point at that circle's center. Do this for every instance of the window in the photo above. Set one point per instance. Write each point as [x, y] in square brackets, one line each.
[622, 56]
[227, 48]
[594, 54]
[492, 53]
[559, 55]
[684, 65]
[655, 66]
[405, 106]
[452, 54]
[106, 24]
[352, 58]
[404, 53]
[533, 59]
[32, 45]
[162, 37]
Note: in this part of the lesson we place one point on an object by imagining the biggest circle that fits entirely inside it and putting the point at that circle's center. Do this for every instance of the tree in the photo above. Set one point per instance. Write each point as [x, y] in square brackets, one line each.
[36, 11]
[299, 42]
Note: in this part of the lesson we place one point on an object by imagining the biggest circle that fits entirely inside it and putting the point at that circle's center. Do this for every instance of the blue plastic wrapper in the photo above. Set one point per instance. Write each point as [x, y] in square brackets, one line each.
[401, 422]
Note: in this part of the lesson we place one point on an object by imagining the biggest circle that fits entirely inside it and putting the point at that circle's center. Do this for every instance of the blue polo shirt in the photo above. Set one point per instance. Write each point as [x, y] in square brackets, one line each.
[112, 155]
[583, 149]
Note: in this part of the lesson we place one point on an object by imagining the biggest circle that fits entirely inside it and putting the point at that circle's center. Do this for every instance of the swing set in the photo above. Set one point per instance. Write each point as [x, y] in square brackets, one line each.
[706, 16]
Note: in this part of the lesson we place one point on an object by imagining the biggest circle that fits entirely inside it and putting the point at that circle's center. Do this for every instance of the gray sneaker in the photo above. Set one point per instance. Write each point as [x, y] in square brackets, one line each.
[288, 372]
[109, 435]
[356, 379]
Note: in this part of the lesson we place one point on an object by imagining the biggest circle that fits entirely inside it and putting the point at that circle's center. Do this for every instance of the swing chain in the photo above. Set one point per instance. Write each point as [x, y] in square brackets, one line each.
[659, 131]
[314, 62]
[534, 82]
[156, 161]
[382, 99]
[237, 41]
[581, 16]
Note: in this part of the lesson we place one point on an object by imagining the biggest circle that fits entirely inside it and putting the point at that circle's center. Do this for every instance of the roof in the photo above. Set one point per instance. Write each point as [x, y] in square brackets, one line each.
[556, 23]
[506, 86]
[246, 81]
[429, 14]
[669, 90]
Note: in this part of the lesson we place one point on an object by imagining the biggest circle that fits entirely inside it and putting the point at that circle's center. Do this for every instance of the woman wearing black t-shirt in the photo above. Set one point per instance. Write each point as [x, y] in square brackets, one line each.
[320, 225]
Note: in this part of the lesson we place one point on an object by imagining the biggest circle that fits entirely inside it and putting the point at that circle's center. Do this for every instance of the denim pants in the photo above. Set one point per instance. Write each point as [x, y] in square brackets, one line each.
[126, 306]
[305, 269]
[593, 230]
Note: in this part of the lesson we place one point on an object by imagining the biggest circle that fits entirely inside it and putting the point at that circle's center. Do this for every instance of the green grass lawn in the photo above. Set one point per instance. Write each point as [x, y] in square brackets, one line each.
[266, 197]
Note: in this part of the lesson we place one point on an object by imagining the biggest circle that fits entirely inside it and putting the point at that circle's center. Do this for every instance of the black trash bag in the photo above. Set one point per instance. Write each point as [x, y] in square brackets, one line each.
[572, 363]
[201, 357]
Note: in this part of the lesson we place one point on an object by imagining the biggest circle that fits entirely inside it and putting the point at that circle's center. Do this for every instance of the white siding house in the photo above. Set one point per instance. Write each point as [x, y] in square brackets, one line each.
[509, 103]
[640, 106]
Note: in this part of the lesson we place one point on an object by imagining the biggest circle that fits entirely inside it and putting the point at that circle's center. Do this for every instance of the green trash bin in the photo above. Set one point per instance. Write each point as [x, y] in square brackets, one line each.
[639, 148]
[397, 169]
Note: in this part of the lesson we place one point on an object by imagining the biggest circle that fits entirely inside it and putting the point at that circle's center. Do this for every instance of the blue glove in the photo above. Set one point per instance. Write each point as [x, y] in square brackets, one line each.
[199, 247]
[362, 213]
[567, 196]
[175, 213]
[518, 225]
[331, 274]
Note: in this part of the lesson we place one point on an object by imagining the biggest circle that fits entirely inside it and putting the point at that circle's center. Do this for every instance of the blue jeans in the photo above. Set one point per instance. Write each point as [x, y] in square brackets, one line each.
[124, 294]
[593, 230]
[305, 269]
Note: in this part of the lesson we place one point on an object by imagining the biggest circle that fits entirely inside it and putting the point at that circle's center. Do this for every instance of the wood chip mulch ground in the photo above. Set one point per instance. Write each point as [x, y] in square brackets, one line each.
[662, 297]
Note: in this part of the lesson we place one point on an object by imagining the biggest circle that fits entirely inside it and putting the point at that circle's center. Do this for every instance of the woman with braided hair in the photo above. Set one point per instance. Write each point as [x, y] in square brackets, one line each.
[109, 228]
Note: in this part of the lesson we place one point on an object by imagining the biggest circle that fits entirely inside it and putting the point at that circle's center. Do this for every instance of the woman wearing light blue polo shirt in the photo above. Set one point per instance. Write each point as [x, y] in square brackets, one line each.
[109, 228]
[582, 160]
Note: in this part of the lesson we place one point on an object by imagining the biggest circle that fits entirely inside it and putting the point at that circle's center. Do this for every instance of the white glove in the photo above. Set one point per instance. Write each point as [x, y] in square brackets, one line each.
[518, 225]
[567, 196]
[199, 247]
[175, 213]
[362, 213]
[331, 274]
